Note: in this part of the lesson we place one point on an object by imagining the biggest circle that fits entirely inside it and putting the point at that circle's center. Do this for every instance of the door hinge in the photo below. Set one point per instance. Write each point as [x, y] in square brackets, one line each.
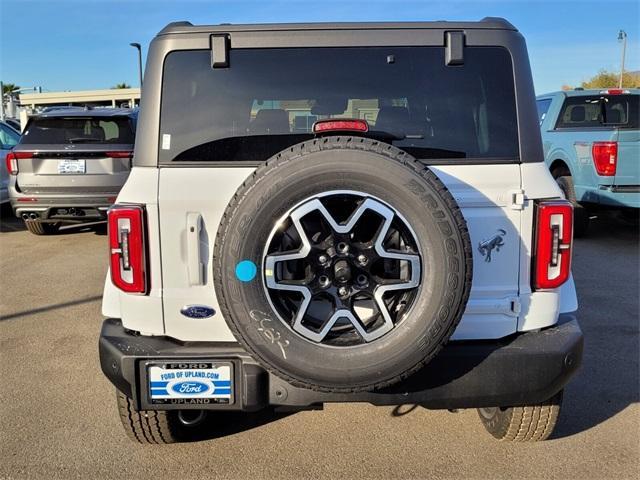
[220, 50]
[517, 199]
[516, 306]
[454, 52]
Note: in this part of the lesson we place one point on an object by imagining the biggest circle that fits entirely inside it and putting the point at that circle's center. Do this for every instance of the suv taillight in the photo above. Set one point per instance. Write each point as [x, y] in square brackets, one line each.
[127, 248]
[605, 158]
[120, 154]
[12, 161]
[554, 238]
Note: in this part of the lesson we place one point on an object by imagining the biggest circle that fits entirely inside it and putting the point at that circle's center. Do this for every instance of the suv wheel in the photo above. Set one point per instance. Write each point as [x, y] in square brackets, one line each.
[41, 228]
[580, 214]
[522, 424]
[356, 270]
[157, 427]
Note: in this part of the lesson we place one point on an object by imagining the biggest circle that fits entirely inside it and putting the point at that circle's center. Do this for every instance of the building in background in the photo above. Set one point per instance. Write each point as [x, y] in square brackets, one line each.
[30, 103]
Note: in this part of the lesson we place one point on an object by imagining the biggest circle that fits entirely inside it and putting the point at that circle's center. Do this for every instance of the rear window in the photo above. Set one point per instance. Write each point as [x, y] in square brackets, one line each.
[543, 107]
[597, 111]
[269, 99]
[69, 130]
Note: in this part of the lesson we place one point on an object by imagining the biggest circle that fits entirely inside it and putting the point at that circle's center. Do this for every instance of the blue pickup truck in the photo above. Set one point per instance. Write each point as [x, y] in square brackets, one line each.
[592, 147]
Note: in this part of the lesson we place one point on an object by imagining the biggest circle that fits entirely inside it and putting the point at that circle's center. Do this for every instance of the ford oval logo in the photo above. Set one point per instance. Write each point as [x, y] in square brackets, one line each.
[197, 311]
[190, 388]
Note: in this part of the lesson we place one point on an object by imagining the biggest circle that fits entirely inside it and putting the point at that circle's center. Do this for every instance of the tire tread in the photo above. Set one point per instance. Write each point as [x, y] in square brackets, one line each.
[532, 423]
[145, 426]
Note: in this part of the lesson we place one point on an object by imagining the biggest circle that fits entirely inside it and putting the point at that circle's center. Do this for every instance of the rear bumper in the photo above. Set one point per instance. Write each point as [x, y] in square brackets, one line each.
[520, 370]
[63, 207]
[616, 196]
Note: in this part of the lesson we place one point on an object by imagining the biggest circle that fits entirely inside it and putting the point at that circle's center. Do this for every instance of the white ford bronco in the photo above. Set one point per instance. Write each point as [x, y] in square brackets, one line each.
[339, 213]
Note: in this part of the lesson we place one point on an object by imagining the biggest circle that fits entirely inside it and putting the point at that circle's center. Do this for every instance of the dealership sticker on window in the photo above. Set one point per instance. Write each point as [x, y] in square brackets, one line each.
[166, 142]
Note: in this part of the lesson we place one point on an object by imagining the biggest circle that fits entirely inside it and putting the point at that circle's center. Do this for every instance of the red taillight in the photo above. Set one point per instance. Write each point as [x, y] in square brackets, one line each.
[12, 160]
[614, 91]
[127, 248]
[120, 154]
[554, 237]
[605, 158]
[331, 125]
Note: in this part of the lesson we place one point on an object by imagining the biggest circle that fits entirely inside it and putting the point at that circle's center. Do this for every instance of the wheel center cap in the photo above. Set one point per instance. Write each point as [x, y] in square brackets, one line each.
[342, 271]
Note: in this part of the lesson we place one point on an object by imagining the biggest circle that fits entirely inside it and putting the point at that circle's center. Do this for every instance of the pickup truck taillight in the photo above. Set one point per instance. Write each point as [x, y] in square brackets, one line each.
[127, 248]
[12, 161]
[605, 158]
[553, 242]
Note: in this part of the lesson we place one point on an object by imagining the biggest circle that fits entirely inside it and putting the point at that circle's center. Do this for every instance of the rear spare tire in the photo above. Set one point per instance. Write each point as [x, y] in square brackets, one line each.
[342, 264]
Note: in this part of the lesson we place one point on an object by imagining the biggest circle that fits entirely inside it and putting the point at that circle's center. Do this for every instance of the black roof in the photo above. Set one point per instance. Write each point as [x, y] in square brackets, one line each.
[487, 23]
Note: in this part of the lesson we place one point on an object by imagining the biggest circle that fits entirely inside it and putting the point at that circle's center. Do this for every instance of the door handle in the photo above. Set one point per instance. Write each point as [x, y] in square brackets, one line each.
[194, 266]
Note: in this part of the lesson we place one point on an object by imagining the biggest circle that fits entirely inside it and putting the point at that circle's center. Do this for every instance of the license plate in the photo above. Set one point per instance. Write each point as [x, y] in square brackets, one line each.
[71, 166]
[190, 383]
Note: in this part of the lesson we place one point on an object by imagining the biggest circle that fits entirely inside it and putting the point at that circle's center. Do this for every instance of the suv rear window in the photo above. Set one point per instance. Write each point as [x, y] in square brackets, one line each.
[67, 130]
[268, 100]
[588, 111]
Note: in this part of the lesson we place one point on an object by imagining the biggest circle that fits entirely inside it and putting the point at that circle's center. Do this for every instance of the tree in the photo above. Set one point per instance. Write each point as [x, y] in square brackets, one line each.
[607, 79]
[9, 87]
[121, 85]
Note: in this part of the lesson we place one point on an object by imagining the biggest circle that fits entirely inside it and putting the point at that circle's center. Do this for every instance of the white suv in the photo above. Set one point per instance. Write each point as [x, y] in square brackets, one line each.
[339, 213]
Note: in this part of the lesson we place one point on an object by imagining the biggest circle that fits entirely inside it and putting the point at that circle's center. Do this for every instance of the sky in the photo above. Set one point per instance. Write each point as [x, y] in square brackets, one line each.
[84, 44]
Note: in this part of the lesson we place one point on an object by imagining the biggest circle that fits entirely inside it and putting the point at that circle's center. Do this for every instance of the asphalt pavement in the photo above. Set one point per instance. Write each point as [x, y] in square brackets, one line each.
[59, 419]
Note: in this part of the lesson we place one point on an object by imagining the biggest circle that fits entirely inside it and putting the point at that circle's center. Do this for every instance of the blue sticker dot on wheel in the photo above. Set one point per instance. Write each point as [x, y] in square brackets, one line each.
[246, 270]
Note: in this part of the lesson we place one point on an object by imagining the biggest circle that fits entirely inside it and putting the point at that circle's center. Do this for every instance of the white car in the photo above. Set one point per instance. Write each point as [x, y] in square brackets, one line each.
[339, 213]
[9, 138]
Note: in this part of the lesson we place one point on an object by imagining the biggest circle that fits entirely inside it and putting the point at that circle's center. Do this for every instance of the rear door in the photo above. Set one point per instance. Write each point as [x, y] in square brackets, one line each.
[75, 154]
[218, 124]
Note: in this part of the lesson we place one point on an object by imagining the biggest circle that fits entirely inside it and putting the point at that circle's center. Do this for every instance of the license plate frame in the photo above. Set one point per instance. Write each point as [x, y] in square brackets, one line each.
[190, 383]
[73, 166]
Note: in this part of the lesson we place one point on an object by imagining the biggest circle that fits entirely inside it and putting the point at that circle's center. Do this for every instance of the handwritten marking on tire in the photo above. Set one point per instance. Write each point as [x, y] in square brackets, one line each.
[265, 323]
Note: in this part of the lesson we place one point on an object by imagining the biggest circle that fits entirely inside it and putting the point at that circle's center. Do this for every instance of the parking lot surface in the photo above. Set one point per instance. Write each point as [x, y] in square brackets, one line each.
[59, 417]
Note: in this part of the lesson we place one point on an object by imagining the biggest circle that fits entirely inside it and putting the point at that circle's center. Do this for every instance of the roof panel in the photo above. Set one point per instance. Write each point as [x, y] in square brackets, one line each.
[488, 23]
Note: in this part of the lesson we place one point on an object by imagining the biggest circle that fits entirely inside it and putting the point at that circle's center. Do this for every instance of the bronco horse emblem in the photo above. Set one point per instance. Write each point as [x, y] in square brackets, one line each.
[485, 247]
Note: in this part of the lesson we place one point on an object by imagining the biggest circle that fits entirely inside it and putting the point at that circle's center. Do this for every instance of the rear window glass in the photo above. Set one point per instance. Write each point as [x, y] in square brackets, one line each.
[543, 107]
[590, 111]
[269, 99]
[8, 138]
[67, 130]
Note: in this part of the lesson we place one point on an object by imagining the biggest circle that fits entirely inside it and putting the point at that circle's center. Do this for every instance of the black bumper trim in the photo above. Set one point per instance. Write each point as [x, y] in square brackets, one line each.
[522, 369]
[621, 188]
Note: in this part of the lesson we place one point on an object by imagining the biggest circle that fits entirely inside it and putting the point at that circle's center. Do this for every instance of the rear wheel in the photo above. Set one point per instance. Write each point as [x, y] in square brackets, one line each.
[40, 228]
[580, 214]
[531, 423]
[158, 427]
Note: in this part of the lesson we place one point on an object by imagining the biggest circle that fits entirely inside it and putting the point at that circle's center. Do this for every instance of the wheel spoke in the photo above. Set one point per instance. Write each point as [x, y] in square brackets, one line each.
[341, 266]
